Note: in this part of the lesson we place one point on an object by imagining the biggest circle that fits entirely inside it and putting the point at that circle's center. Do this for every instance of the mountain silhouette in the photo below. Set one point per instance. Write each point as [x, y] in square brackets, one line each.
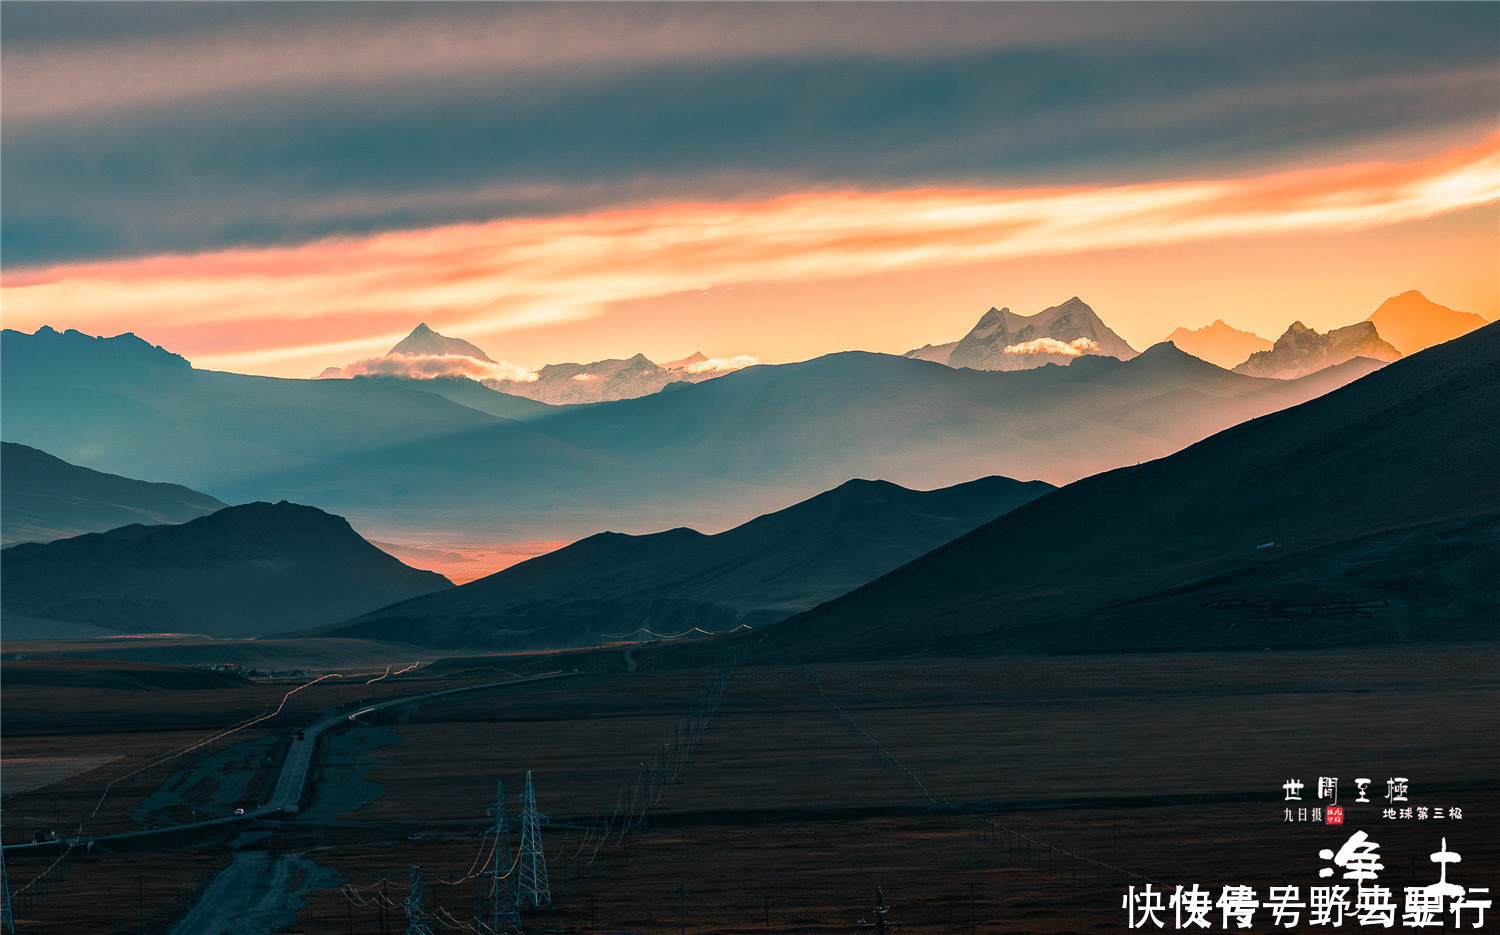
[242, 571]
[1371, 514]
[612, 585]
[1412, 322]
[1219, 344]
[426, 342]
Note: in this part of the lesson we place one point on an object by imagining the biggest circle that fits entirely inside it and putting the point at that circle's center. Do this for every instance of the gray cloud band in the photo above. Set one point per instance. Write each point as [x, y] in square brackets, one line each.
[1053, 102]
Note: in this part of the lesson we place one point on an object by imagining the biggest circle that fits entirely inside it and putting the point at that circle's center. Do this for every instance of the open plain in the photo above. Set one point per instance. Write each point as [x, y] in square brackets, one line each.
[1011, 794]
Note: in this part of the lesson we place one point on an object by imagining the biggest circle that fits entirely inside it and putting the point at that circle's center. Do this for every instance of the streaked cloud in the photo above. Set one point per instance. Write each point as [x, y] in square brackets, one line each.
[140, 129]
[484, 280]
[99, 59]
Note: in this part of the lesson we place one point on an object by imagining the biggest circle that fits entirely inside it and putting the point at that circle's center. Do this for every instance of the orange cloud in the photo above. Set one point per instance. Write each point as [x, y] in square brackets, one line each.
[288, 308]
[1076, 348]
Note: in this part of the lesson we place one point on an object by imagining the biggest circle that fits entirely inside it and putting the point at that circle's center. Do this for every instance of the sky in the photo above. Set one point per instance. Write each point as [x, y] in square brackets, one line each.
[279, 188]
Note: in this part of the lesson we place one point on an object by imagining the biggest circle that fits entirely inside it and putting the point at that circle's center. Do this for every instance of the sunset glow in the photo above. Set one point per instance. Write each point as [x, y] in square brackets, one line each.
[292, 311]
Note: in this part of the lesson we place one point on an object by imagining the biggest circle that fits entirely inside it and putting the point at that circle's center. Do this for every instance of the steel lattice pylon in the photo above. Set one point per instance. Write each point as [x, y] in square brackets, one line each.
[416, 912]
[504, 897]
[533, 862]
[7, 918]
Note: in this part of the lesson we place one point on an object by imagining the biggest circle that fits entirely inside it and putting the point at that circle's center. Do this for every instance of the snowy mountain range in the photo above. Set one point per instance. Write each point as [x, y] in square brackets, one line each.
[1003, 340]
[1301, 351]
[424, 342]
[427, 355]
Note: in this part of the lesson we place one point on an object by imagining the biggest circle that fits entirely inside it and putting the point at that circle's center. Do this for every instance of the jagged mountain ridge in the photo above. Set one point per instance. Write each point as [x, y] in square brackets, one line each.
[989, 345]
[603, 380]
[1301, 350]
[243, 571]
[424, 341]
[44, 498]
[609, 585]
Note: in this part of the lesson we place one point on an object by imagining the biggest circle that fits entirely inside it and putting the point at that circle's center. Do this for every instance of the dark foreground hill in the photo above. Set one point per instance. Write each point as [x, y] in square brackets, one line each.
[612, 585]
[44, 498]
[1369, 515]
[243, 571]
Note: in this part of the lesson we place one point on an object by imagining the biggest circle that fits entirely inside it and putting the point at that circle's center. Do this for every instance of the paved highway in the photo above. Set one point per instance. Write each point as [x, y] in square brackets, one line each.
[298, 762]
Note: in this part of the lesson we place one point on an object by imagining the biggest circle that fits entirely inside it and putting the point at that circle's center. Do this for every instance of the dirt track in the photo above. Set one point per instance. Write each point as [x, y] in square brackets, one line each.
[256, 895]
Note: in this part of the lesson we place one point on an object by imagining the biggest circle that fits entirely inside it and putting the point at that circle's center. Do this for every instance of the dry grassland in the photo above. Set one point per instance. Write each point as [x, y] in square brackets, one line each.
[784, 818]
[1165, 766]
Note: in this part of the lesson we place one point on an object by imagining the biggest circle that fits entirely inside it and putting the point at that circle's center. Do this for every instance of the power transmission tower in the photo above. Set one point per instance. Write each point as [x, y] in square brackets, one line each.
[533, 863]
[7, 919]
[504, 897]
[416, 913]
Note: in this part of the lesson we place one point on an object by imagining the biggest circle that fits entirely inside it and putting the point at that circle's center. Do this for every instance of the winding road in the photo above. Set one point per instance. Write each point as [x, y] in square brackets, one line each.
[291, 783]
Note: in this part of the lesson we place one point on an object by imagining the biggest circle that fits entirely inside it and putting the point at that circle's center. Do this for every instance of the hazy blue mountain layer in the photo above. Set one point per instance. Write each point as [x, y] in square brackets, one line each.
[44, 498]
[441, 457]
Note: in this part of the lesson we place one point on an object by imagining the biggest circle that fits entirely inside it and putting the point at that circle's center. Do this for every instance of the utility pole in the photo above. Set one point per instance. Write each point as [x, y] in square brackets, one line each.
[681, 911]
